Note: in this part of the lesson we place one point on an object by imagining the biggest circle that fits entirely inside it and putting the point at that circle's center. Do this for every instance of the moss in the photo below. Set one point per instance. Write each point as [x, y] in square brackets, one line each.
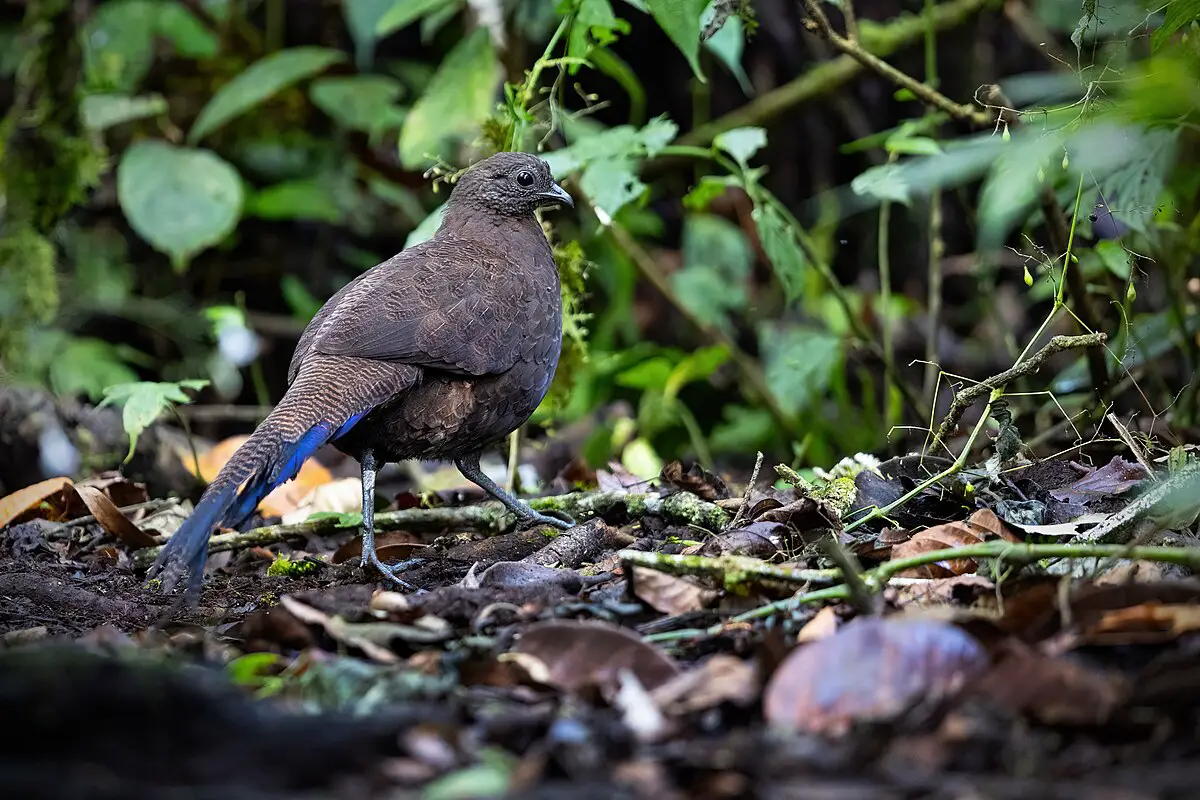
[285, 567]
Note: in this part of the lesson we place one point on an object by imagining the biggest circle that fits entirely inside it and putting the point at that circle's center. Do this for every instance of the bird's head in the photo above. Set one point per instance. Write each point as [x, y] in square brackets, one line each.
[512, 184]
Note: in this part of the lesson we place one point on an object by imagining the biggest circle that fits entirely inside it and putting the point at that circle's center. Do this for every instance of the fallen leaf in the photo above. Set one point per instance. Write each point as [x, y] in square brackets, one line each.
[23, 503]
[959, 591]
[111, 518]
[582, 655]
[390, 546]
[1146, 623]
[871, 670]
[1115, 477]
[618, 479]
[721, 679]
[1063, 529]
[697, 480]
[340, 497]
[980, 527]
[756, 540]
[823, 625]
[282, 500]
[1055, 691]
[337, 628]
[670, 594]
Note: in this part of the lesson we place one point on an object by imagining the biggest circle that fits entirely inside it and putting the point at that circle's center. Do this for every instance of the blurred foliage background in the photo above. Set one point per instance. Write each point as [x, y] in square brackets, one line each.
[776, 246]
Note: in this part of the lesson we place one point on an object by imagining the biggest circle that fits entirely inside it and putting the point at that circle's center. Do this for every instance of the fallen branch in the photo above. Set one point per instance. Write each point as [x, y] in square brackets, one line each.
[492, 517]
[1000, 550]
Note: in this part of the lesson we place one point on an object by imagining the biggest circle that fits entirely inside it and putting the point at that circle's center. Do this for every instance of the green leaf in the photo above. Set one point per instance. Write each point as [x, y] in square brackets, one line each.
[609, 161]
[727, 44]
[798, 362]
[779, 242]
[190, 37]
[741, 143]
[260, 81]
[118, 44]
[405, 12]
[885, 182]
[300, 300]
[460, 96]
[1134, 188]
[180, 200]
[681, 21]
[716, 264]
[708, 189]
[103, 111]
[359, 102]
[595, 25]
[304, 198]
[143, 402]
[1114, 258]
[913, 146]
[87, 366]
[362, 20]
[1179, 13]
[427, 228]
[649, 374]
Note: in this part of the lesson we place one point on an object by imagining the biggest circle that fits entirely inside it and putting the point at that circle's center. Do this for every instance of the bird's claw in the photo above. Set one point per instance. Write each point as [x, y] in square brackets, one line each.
[389, 570]
[534, 518]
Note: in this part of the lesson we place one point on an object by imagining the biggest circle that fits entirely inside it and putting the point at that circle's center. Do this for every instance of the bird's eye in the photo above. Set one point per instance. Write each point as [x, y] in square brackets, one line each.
[525, 179]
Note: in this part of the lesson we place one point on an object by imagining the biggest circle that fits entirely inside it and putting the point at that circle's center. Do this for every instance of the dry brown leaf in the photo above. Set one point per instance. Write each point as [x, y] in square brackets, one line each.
[697, 480]
[337, 628]
[668, 593]
[721, 679]
[283, 499]
[390, 546]
[1146, 623]
[982, 526]
[823, 624]
[872, 669]
[959, 591]
[111, 518]
[24, 503]
[583, 655]
[1055, 691]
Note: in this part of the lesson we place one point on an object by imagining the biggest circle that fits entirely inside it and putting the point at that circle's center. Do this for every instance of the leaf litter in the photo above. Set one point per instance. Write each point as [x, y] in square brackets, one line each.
[640, 651]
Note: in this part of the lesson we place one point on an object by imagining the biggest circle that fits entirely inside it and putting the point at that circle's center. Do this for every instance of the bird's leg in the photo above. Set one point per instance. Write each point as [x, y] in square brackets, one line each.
[526, 516]
[369, 556]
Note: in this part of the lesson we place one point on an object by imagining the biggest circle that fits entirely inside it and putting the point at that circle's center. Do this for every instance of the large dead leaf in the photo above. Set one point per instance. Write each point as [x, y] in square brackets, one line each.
[697, 480]
[1055, 691]
[871, 670]
[1115, 477]
[111, 518]
[669, 594]
[24, 503]
[982, 526]
[1144, 624]
[584, 655]
[282, 500]
[721, 679]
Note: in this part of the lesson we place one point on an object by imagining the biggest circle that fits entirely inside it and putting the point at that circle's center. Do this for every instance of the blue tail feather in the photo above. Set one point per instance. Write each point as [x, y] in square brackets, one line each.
[189, 545]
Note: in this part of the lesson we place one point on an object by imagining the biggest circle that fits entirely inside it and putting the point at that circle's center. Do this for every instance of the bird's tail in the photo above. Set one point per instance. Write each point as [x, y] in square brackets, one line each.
[271, 456]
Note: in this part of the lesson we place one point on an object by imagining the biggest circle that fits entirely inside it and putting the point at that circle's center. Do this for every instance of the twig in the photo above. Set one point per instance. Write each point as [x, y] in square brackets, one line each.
[829, 76]
[819, 23]
[680, 507]
[745, 506]
[733, 571]
[1000, 550]
[1033, 363]
[1132, 444]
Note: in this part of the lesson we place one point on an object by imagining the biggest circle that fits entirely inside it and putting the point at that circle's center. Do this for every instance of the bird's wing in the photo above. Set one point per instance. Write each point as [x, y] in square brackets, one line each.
[442, 305]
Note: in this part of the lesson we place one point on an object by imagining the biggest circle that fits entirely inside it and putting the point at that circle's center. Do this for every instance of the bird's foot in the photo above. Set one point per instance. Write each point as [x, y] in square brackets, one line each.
[530, 518]
[389, 570]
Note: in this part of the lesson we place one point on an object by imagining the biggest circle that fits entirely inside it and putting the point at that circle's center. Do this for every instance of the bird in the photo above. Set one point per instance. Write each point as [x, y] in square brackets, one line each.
[434, 354]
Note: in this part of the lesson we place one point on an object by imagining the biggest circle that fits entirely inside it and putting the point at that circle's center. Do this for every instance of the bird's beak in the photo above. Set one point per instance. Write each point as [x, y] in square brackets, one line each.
[557, 194]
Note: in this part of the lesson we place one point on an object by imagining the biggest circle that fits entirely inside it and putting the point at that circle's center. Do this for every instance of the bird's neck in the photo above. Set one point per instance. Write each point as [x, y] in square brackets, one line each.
[481, 224]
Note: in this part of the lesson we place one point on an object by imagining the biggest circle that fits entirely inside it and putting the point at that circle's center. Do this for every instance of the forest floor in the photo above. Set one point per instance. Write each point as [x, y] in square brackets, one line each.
[684, 641]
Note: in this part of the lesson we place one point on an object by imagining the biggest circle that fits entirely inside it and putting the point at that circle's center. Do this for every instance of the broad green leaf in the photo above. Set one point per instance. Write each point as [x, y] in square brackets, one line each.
[913, 146]
[359, 102]
[461, 95]
[103, 111]
[595, 25]
[1013, 184]
[87, 366]
[304, 198]
[649, 374]
[743, 430]
[609, 161]
[885, 182]
[708, 189]
[118, 44]
[783, 251]
[180, 200]
[405, 12]
[190, 37]
[741, 143]
[362, 20]
[695, 367]
[1178, 14]
[260, 81]
[798, 363]
[727, 44]
[681, 21]
[1135, 187]
[1114, 258]
[716, 264]
[300, 300]
[143, 402]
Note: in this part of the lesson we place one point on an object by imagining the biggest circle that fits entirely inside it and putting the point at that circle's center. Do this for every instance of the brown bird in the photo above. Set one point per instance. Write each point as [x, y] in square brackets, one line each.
[441, 350]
